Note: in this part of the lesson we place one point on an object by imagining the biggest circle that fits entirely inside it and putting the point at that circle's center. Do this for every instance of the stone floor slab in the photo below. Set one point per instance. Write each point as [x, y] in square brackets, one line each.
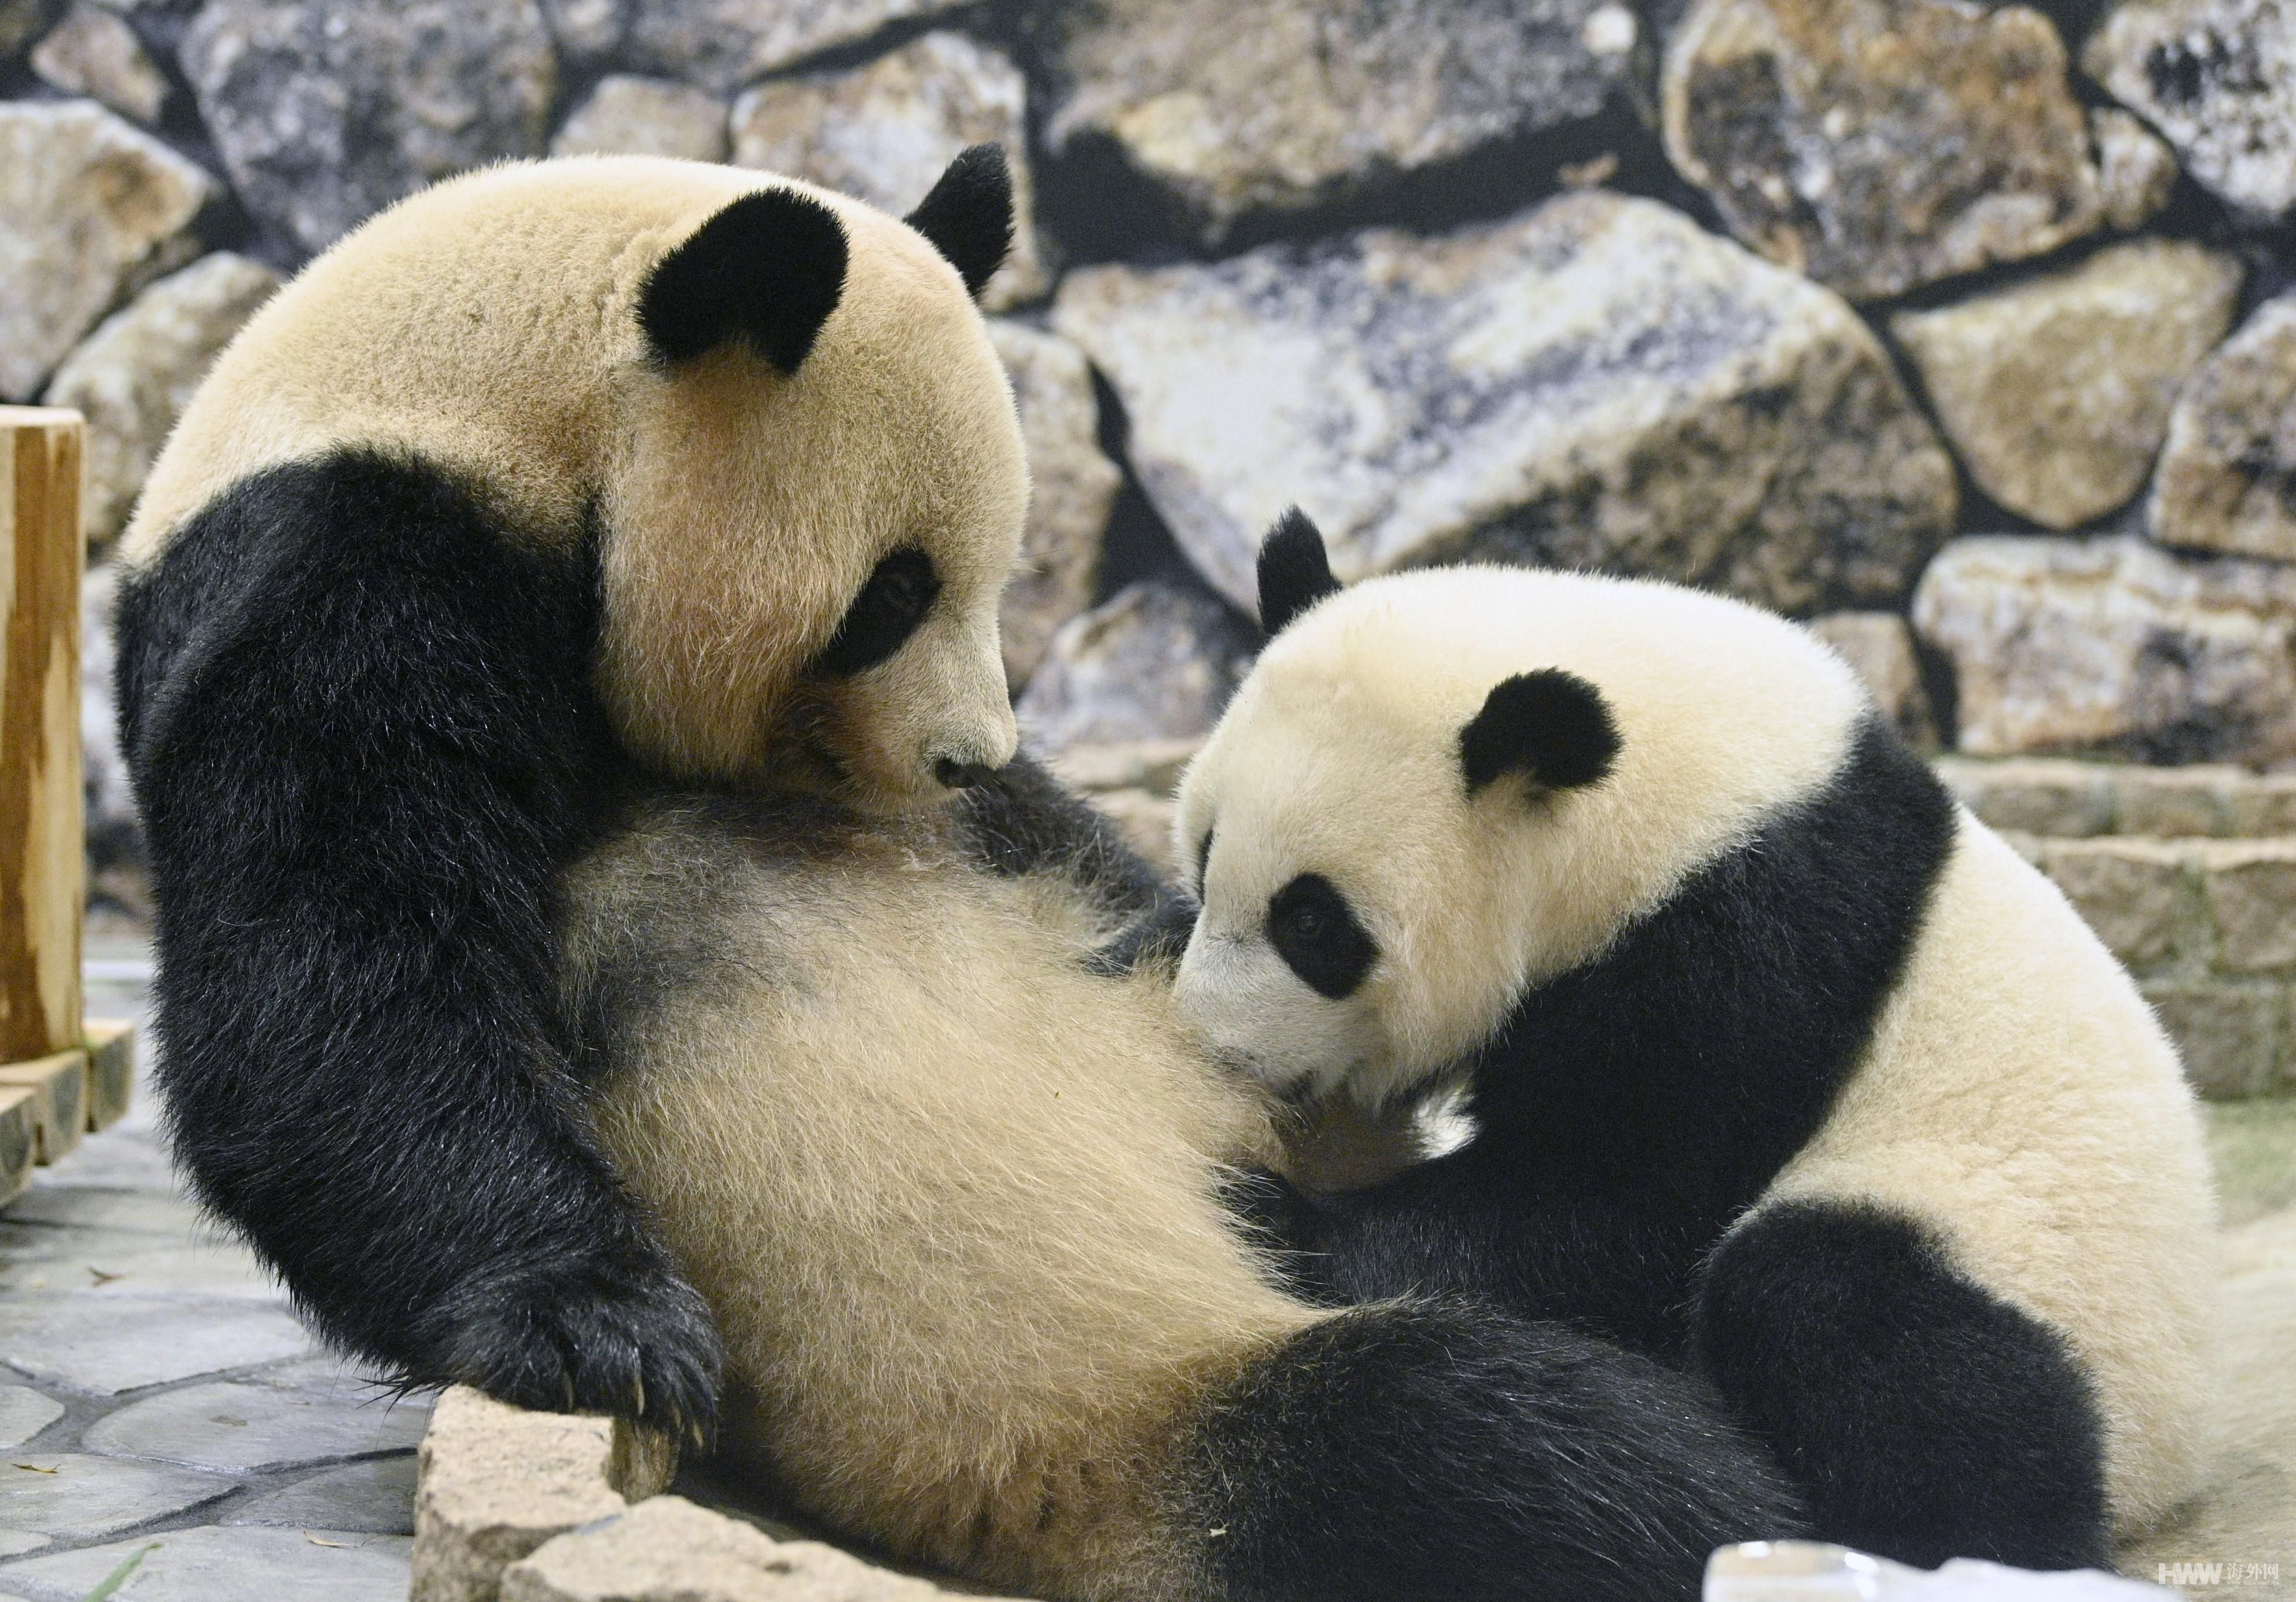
[72, 1495]
[126, 1262]
[108, 1344]
[376, 1498]
[219, 1563]
[117, 1161]
[78, 1207]
[24, 1413]
[245, 1427]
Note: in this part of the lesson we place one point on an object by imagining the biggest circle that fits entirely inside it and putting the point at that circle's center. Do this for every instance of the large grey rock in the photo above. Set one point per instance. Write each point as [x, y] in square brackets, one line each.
[327, 111]
[1596, 382]
[1156, 662]
[135, 374]
[722, 44]
[2113, 646]
[1293, 104]
[244, 1428]
[108, 1344]
[1073, 485]
[217, 1564]
[24, 1413]
[2218, 77]
[2056, 391]
[2228, 479]
[91, 207]
[374, 1498]
[92, 51]
[1877, 145]
[626, 115]
[884, 133]
[77, 1497]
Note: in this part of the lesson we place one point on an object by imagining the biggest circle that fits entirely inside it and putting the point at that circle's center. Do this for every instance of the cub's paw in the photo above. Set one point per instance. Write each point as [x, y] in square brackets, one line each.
[589, 1336]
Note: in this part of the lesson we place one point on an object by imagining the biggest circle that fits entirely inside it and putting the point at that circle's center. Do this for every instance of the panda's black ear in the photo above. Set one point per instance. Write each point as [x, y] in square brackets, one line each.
[1551, 726]
[1294, 573]
[768, 268]
[969, 214]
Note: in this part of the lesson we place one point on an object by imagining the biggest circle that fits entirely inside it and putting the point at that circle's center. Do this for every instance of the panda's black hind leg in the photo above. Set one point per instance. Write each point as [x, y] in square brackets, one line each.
[1927, 1419]
[1446, 1451]
[360, 722]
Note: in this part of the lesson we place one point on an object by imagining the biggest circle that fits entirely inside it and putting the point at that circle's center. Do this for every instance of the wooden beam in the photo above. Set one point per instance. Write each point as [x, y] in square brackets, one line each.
[111, 1070]
[43, 826]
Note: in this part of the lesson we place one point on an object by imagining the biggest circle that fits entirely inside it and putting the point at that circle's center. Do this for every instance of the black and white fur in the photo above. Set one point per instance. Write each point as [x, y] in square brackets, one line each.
[1781, 1065]
[959, 1206]
[544, 483]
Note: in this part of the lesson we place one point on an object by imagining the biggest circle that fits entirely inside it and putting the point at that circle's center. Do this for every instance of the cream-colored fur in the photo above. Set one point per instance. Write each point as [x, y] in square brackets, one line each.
[488, 326]
[2018, 1095]
[950, 1198]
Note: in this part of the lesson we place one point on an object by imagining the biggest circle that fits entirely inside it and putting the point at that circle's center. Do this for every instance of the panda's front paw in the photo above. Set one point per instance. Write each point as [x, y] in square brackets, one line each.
[590, 1334]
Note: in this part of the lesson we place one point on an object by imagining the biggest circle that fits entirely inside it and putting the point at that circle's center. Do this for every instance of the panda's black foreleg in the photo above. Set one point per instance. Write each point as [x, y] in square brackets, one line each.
[1928, 1418]
[1021, 820]
[358, 720]
[1443, 1450]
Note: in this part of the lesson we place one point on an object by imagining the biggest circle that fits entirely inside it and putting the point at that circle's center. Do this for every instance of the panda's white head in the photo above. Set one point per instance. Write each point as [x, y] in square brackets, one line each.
[1438, 788]
[776, 408]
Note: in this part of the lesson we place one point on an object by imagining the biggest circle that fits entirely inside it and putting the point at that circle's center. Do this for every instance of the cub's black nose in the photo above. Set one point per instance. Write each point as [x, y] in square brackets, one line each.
[963, 775]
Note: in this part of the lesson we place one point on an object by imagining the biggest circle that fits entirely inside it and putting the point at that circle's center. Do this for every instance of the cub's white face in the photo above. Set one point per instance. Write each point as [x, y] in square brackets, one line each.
[1438, 788]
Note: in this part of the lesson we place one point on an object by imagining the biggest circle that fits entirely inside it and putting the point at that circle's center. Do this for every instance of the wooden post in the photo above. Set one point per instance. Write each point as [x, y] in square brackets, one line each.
[43, 822]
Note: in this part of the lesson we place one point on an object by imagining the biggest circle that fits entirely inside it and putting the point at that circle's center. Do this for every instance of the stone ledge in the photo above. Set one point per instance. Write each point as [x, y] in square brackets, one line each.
[2066, 798]
[522, 1507]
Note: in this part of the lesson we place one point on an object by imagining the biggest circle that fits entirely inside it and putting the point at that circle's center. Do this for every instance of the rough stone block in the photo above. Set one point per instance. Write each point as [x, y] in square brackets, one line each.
[59, 1087]
[111, 1070]
[2040, 796]
[2233, 1037]
[1072, 488]
[92, 52]
[668, 1549]
[19, 1140]
[626, 115]
[2177, 803]
[24, 1413]
[2130, 892]
[498, 1482]
[1154, 662]
[2264, 805]
[1154, 765]
[1880, 645]
[2252, 897]
[2227, 477]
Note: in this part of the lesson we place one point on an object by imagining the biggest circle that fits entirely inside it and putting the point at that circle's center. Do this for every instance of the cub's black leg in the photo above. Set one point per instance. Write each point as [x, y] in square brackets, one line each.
[1928, 1418]
[1443, 1450]
[360, 722]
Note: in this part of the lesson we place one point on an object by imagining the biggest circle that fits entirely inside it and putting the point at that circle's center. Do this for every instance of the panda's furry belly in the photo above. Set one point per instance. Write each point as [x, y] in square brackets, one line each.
[953, 1202]
[951, 1197]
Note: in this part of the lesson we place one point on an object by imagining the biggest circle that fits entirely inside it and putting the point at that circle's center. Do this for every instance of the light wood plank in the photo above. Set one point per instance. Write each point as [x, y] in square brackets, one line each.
[59, 1083]
[42, 823]
[111, 1070]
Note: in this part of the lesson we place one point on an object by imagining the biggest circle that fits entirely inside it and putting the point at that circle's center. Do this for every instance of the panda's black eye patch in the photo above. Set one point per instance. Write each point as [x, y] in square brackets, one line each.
[900, 590]
[1313, 929]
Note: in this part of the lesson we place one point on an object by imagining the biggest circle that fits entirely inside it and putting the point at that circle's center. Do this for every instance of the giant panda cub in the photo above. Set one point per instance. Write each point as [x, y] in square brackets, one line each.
[550, 480]
[956, 1201]
[1781, 1064]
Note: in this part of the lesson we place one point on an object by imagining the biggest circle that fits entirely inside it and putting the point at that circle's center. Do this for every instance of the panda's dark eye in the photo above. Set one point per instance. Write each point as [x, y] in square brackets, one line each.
[900, 590]
[1313, 929]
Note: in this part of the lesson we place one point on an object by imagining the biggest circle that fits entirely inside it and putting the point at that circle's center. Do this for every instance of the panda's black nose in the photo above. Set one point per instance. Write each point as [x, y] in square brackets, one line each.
[963, 775]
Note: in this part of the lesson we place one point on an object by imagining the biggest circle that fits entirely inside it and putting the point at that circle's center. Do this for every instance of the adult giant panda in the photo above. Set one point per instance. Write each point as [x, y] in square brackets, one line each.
[553, 474]
[957, 1203]
[1779, 1060]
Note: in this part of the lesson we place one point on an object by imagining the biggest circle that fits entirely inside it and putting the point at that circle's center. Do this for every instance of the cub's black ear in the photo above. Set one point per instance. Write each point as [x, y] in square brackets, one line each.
[1552, 726]
[1294, 573]
[969, 214]
[770, 268]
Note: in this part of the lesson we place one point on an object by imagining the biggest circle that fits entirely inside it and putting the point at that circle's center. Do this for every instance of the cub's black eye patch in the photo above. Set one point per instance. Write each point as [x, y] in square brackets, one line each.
[1311, 926]
[883, 617]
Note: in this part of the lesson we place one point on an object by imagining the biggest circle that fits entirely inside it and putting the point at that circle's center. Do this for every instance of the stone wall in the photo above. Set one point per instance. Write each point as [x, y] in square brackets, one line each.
[1967, 333]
